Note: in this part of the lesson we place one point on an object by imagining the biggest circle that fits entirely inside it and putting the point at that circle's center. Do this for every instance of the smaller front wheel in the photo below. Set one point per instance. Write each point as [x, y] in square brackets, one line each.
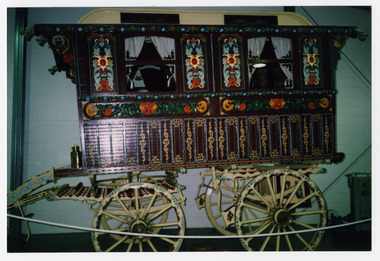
[138, 208]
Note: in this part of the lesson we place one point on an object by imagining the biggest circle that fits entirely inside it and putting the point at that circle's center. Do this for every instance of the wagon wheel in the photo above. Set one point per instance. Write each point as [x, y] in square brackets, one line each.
[138, 208]
[220, 204]
[281, 201]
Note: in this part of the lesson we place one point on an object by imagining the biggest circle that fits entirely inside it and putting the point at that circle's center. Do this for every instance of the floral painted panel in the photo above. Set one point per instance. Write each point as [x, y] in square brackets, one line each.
[195, 76]
[311, 67]
[102, 64]
[231, 65]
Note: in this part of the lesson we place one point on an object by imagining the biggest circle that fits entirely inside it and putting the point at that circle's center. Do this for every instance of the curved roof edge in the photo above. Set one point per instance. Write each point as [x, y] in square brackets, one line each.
[188, 16]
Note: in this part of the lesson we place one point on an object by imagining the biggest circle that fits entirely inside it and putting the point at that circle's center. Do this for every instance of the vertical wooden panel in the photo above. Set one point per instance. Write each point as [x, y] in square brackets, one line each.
[243, 138]
[211, 132]
[117, 144]
[131, 143]
[91, 148]
[285, 135]
[105, 149]
[200, 140]
[274, 134]
[306, 134]
[189, 141]
[178, 141]
[222, 138]
[328, 133]
[166, 141]
[295, 134]
[254, 137]
[155, 142]
[264, 137]
[232, 138]
[317, 134]
[143, 143]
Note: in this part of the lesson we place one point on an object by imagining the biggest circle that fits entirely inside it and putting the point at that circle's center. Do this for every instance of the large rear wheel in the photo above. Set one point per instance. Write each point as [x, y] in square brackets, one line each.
[280, 201]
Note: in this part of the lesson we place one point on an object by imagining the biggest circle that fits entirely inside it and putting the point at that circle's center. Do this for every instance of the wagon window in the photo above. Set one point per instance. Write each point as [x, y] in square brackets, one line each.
[270, 63]
[150, 64]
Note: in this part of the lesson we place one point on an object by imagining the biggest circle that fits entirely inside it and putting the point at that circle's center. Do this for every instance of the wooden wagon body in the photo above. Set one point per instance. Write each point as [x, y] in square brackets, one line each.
[173, 96]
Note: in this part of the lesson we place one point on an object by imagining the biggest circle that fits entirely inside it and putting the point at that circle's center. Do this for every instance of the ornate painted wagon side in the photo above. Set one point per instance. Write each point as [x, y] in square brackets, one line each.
[255, 105]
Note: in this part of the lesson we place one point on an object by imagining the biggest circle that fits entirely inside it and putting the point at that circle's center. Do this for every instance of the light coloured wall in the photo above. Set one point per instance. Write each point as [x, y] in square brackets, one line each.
[52, 127]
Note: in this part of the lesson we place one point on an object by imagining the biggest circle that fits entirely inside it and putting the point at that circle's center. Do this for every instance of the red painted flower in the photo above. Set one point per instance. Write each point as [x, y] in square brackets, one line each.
[311, 105]
[104, 85]
[187, 109]
[231, 82]
[196, 83]
[312, 80]
[107, 112]
[242, 107]
[68, 58]
[277, 103]
[148, 107]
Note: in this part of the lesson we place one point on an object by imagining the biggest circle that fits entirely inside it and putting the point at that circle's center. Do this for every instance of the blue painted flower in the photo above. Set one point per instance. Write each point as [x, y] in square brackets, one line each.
[122, 29]
[58, 29]
[143, 29]
[101, 29]
[80, 29]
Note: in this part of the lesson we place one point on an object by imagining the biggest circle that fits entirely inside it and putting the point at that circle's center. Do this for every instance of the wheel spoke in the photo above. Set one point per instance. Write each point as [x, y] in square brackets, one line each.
[303, 224]
[116, 243]
[115, 217]
[151, 245]
[168, 224]
[278, 239]
[302, 201]
[301, 238]
[267, 239]
[140, 246]
[130, 245]
[294, 192]
[271, 190]
[319, 211]
[137, 202]
[146, 211]
[167, 240]
[288, 240]
[283, 182]
[261, 197]
[255, 220]
[167, 207]
[255, 208]
[124, 207]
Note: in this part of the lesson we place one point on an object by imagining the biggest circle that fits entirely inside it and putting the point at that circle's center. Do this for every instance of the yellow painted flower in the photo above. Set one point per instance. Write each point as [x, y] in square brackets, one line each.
[227, 105]
[91, 110]
[324, 102]
[202, 106]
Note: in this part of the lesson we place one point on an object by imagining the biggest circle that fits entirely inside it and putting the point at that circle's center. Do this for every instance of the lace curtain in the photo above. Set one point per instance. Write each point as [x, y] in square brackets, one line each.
[164, 46]
[283, 49]
[133, 46]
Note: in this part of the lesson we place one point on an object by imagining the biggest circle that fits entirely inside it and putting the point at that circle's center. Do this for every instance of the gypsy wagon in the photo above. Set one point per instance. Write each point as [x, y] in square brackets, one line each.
[250, 99]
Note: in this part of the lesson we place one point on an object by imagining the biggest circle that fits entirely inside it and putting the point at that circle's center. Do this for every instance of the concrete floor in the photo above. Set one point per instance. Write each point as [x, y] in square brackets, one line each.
[342, 239]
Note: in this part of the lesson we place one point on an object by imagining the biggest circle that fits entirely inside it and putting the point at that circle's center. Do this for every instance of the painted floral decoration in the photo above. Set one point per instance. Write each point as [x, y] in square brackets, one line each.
[91, 110]
[324, 103]
[148, 107]
[277, 103]
[187, 109]
[227, 105]
[107, 112]
[202, 106]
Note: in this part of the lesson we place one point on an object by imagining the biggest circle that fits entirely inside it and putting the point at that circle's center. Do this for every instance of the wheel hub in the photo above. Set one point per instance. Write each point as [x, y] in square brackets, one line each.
[282, 217]
[139, 226]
